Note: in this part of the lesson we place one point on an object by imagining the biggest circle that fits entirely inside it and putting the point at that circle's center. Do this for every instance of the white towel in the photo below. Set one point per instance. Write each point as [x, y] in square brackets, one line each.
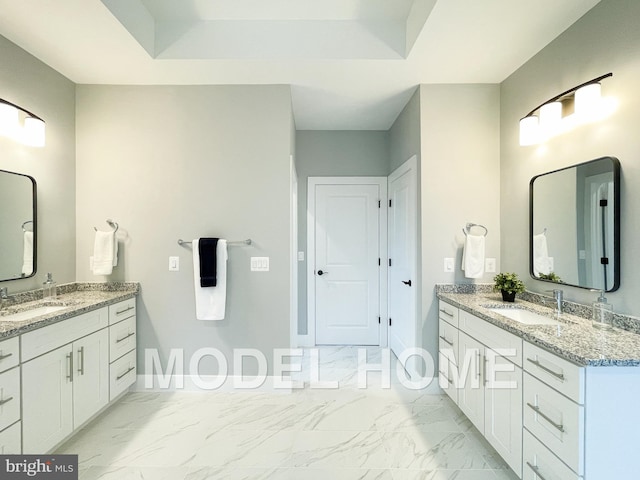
[473, 256]
[211, 301]
[541, 261]
[105, 252]
[27, 253]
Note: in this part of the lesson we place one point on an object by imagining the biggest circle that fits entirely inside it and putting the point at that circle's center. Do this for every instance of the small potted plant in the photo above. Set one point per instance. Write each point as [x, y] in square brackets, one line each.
[509, 284]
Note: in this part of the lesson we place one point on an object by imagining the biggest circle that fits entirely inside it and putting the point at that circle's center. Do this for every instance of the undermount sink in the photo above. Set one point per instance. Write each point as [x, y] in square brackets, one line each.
[32, 313]
[525, 316]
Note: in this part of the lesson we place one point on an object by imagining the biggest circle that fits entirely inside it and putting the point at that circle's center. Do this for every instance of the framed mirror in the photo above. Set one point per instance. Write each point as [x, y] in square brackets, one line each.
[574, 225]
[18, 232]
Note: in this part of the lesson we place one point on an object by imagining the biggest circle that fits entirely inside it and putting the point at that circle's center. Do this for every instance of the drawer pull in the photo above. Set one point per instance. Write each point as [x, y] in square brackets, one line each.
[125, 373]
[124, 338]
[446, 313]
[446, 377]
[560, 427]
[2, 357]
[447, 341]
[536, 470]
[125, 310]
[548, 370]
[6, 400]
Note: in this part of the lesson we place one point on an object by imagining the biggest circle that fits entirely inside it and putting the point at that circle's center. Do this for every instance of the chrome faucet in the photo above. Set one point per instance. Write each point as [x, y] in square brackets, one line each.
[558, 297]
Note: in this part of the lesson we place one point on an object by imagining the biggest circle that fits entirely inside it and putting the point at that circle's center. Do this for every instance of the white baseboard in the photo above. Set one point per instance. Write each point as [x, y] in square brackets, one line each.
[305, 341]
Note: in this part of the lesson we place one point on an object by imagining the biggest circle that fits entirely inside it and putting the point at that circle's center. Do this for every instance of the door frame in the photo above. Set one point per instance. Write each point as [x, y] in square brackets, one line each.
[411, 166]
[311, 248]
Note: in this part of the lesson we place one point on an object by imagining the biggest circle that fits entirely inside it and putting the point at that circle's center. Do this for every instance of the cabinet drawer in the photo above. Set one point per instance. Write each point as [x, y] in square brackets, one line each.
[9, 397]
[448, 341]
[122, 338]
[49, 338]
[448, 313]
[122, 310]
[556, 372]
[554, 420]
[446, 374]
[493, 337]
[10, 440]
[122, 374]
[538, 462]
[9, 353]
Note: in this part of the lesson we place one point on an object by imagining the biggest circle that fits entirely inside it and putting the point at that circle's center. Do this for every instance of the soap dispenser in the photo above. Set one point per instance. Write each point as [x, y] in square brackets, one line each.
[602, 316]
[49, 290]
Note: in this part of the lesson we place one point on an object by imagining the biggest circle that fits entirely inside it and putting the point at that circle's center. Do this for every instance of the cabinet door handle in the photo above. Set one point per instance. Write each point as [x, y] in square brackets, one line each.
[478, 365]
[558, 426]
[548, 370]
[6, 400]
[70, 365]
[536, 470]
[484, 369]
[446, 313]
[125, 310]
[125, 337]
[447, 341]
[81, 360]
[7, 355]
[125, 373]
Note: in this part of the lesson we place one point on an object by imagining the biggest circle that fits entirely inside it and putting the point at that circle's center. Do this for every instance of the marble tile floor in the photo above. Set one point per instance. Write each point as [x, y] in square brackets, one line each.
[343, 433]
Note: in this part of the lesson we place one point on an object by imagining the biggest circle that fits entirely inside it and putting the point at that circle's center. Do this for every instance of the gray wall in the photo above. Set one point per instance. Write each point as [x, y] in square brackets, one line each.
[169, 162]
[26, 81]
[460, 183]
[405, 134]
[332, 154]
[607, 39]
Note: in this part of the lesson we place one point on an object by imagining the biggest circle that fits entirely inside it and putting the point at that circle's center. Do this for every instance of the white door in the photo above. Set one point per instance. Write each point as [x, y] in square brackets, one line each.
[346, 279]
[402, 254]
[91, 377]
[47, 392]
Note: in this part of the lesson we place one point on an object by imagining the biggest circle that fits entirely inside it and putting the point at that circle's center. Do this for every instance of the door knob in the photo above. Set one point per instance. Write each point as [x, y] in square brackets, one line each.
[408, 282]
[320, 272]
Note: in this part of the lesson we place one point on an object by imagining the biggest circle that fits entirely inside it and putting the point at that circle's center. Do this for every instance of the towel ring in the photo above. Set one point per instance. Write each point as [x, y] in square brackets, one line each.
[469, 226]
[24, 225]
[112, 224]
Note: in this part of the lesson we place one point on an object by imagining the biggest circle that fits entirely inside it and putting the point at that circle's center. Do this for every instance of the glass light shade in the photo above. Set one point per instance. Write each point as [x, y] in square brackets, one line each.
[550, 119]
[34, 132]
[588, 100]
[9, 121]
[529, 131]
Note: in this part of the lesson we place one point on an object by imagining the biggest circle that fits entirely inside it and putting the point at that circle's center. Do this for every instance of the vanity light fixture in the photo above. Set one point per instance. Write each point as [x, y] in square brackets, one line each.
[31, 132]
[553, 116]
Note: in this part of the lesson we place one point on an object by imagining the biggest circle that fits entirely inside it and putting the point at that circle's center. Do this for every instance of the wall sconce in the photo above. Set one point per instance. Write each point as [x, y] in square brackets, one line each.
[580, 104]
[31, 132]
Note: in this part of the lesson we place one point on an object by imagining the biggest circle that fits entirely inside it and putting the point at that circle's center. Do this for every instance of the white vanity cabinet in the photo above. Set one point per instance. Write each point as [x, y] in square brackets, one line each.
[10, 428]
[122, 347]
[487, 378]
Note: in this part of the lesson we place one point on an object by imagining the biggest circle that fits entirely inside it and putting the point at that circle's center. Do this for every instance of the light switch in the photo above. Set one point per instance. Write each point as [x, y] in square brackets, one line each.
[551, 264]
[259, 264]
[301, 256]
[174, 264]
[490, 265]
[448, 264]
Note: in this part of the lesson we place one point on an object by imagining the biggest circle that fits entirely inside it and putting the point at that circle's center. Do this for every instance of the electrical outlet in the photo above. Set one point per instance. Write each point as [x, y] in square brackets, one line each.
[490, 265]
[448, 264]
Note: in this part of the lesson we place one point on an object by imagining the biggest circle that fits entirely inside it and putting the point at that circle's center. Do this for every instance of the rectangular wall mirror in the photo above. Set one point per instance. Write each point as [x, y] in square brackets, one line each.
[17, 226]
[575, 225]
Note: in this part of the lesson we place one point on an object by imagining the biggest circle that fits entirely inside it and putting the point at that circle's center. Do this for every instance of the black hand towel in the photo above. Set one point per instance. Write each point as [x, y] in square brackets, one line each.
[208, 261]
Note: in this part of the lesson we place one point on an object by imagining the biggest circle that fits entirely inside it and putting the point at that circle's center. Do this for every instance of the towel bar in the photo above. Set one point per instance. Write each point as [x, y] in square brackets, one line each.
[248, 241]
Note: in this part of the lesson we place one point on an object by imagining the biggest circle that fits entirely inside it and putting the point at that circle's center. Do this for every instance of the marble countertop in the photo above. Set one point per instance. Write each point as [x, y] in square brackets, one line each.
[76, 298]
[574, 339]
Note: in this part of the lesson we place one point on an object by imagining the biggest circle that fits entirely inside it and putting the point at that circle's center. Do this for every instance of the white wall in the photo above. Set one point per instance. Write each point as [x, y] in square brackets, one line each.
[26, 81]
[169, 162]
[332, 154]
[460, 183]
[606, 39]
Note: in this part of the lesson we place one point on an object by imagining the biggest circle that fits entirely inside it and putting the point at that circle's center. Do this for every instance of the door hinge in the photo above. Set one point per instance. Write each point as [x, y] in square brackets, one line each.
[379, 262]
[603, 202]
[389, 321]
[378, 203]
[389, 262]
[379, 320]
[604, 261]
[389, 202]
